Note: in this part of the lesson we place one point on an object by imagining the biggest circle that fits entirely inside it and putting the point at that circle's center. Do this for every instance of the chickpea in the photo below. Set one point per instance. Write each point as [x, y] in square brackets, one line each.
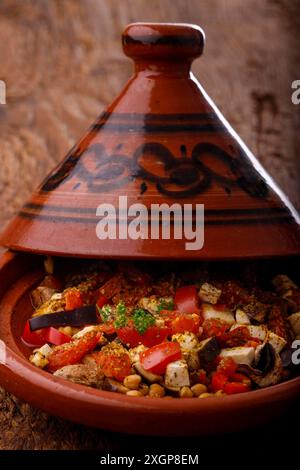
[220, 393]
[205, 395]
[134, 393]
[197, 389]
[186, 392]
[156, 391]
[132, 381]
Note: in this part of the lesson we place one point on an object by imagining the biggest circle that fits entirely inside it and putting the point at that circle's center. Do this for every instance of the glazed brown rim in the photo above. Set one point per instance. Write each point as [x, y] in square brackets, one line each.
[57, 390]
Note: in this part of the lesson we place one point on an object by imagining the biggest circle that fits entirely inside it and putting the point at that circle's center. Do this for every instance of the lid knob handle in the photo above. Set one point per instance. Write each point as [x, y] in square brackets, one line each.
[163, 41]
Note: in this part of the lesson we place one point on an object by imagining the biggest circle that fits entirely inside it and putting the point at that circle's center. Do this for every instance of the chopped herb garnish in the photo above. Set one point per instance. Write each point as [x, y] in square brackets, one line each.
[165, 305]
[121, 318]
[105, 313]
[142, 320]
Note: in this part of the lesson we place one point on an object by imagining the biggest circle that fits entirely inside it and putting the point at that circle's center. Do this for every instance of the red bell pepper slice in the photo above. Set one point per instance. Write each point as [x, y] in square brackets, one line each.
[33, 338]
[238, 383]
[231, 388]
[218, 381]
[54, 336]
[158, 357]
[187, 300]
[45, 335]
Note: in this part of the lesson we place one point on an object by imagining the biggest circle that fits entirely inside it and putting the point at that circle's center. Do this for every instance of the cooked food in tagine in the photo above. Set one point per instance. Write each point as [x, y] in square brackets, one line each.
[164, 332]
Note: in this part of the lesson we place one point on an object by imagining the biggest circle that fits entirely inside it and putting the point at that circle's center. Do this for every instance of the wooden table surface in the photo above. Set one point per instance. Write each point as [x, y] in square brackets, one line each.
[62, 63]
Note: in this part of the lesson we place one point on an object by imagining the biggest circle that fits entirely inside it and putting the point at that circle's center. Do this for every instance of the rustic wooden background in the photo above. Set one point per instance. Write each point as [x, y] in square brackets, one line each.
[62, 63]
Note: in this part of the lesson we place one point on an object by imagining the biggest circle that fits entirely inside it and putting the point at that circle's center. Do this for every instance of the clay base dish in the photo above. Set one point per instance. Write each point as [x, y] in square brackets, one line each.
[107, 410]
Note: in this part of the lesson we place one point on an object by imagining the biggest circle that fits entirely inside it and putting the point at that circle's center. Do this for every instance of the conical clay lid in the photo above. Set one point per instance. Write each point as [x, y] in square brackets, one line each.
[161, 141]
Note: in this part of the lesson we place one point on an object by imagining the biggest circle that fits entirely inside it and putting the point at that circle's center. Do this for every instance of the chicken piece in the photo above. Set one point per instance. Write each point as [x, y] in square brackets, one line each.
[187, 341]
[241, 355]
[177, 375]
[210, 294]
[241, 317]
[209, 312]
[276, 341]
[83, 374]
[192, 359]
[189, 346]
[255, 331]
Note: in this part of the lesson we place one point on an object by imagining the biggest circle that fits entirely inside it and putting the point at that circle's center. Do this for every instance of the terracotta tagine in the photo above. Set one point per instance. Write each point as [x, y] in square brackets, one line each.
[161, 141]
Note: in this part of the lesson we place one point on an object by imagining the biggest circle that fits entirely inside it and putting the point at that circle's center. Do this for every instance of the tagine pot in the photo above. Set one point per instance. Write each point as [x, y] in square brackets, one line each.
[161, 141]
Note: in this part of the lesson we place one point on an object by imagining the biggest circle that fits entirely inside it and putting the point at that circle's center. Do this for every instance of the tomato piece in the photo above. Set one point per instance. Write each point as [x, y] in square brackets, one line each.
[102, 300]
[158, 357]
[73, 300]
[54, 336]
[214, 327]
[129, 336]
[33, 338]
[72, 353]
[231, 388]
[237, 337]
[179, 322]
[252, 343]
[187, 300]
[152, 336]
[242, 378]
[184, 323]
[108, 328]
[227, 366]
[114, 365]
[202, 377]
[218, 381]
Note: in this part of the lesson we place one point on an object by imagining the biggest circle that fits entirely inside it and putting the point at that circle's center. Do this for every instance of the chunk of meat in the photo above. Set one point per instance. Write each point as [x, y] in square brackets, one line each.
[278, 324]
[90, 375]
[41, 295]
[112, 286]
